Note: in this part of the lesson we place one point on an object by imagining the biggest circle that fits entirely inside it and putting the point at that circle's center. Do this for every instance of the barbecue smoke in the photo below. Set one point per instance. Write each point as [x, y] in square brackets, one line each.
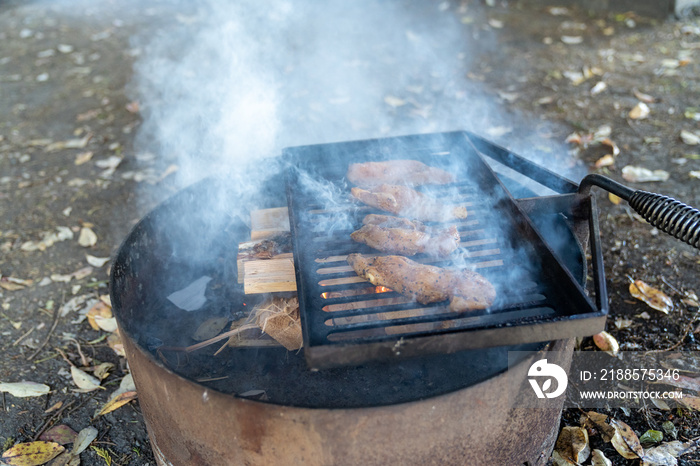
[227, 85]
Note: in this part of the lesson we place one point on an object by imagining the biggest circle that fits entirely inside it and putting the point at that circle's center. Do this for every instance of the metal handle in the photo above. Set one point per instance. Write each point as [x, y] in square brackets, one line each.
[665, 213]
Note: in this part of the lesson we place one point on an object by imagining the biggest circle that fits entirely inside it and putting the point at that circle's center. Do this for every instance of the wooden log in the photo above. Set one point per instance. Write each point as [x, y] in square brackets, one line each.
[262, 249]
[266, 223]
[269, 275]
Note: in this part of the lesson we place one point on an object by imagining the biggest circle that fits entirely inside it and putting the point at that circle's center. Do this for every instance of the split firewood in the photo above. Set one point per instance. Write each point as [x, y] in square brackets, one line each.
[267, 223]
[277, 247]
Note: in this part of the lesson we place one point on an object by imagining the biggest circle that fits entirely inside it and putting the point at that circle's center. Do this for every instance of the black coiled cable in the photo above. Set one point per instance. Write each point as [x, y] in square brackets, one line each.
[669, 215]
[665, 213]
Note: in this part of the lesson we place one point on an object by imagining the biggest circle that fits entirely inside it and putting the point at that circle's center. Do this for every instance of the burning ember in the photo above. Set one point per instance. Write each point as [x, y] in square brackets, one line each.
[355, 292]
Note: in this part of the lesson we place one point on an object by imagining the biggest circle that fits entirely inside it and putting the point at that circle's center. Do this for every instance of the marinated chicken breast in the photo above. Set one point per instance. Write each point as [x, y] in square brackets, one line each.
[465, 289]
[408, 172]
[407, 202]
[408, 238]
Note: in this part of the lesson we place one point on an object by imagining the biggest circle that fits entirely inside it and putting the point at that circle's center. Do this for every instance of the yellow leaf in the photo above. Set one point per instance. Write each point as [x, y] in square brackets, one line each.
[653, 297]
[99, 309]
[117, 402]
[32, 453]
[614, 199]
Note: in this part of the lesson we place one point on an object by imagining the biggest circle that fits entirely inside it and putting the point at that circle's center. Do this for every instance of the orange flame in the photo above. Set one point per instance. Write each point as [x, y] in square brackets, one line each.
[355, 292]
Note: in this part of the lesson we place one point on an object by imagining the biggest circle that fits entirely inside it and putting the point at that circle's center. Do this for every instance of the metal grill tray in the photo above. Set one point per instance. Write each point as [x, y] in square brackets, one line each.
[346, 320]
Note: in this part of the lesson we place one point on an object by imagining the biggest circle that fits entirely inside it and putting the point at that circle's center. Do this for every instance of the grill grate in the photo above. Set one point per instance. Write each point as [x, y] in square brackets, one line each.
[346, 320]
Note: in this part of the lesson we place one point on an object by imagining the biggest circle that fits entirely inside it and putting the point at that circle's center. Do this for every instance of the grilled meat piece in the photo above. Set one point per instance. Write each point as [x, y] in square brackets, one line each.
[426, 284]
[402, 236]
[408, 172]
[407, 202]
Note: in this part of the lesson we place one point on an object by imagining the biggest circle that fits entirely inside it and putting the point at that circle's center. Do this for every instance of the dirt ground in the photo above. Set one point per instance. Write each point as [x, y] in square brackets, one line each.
[68, 159]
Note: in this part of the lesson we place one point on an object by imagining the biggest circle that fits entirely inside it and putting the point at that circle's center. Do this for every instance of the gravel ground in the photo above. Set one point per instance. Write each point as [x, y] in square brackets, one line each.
[75, 160]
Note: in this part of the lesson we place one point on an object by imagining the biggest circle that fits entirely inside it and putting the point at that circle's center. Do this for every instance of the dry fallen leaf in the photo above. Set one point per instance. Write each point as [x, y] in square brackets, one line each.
[576, 77]
[654, 298]
[10, 286]
[641, 174]
[606, 342]
[96, 261]
[121, 396]
[82, 273]
[571, 447]
[98, 309]
[48, 239]
[69, 144]
[87, 237]
[614, 199]
[84, 381]
[605, 161]
[210, 328]
[611, 144]
[599, 422]
[558, 10]
[101, 371]
[110, 163]
[24, 389]
[621, 323]
[61, 434]
[32, 453]
[646, 98]
[683, 381]
[661, 404]
[640, 111]
[572, 40]
[666, 453]
[117, 402]
[108, 324]
[115, 342]
[626, 441]
[690, 138]
[84, 439]
[690, 401]
[599, 87]
[83, 157]
[599, 459]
